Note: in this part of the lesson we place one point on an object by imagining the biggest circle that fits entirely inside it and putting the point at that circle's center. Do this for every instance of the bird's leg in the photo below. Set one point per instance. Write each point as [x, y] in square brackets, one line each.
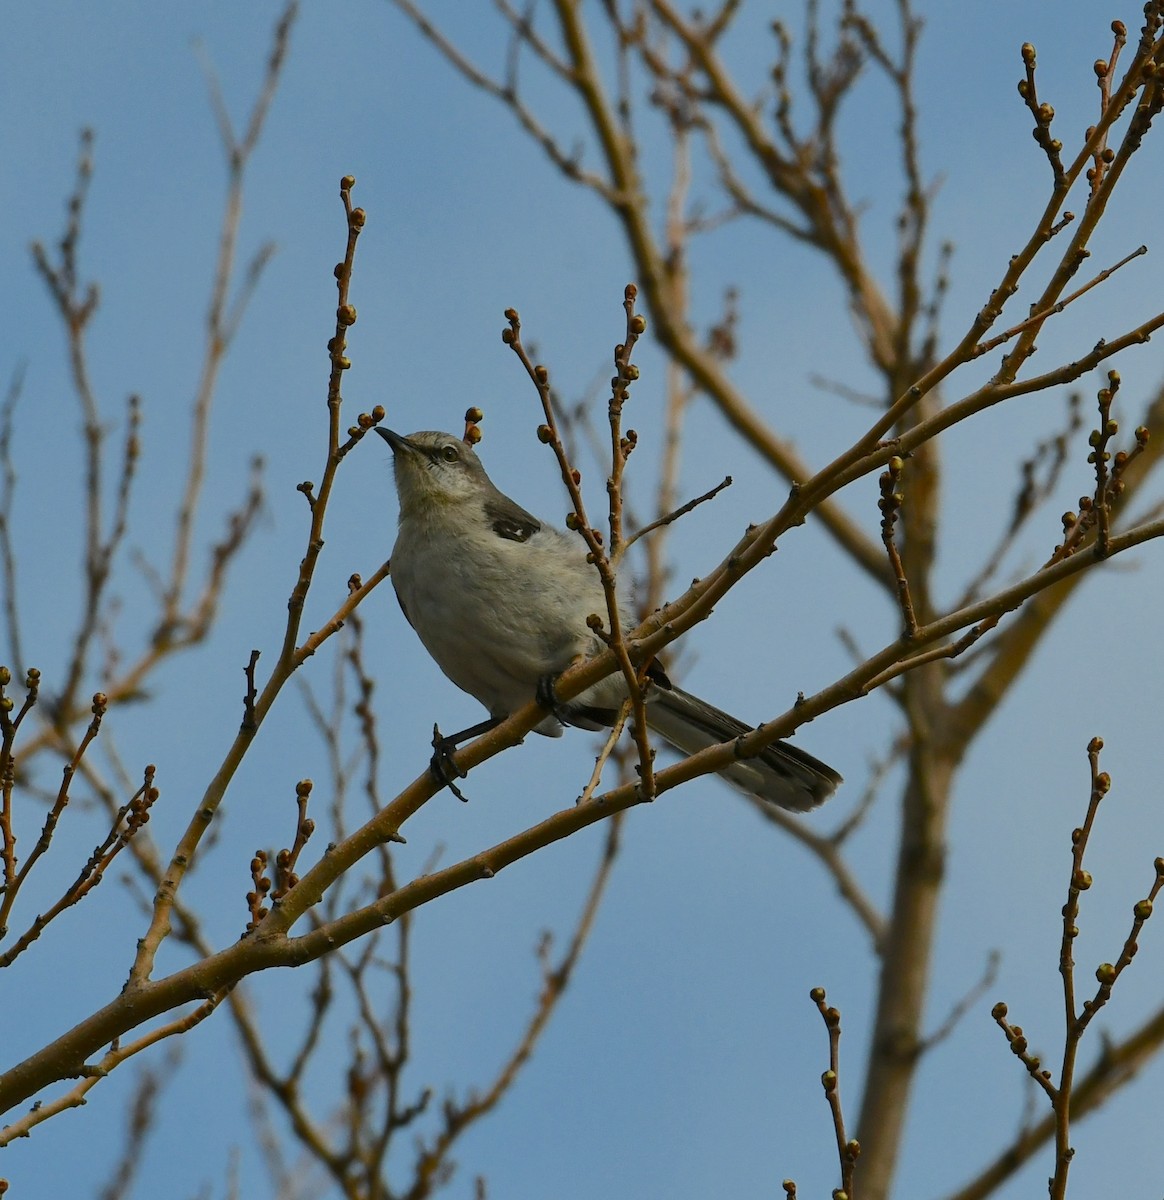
[442, 765]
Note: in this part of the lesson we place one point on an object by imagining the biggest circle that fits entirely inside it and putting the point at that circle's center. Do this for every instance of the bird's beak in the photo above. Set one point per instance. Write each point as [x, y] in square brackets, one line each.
[395, 440]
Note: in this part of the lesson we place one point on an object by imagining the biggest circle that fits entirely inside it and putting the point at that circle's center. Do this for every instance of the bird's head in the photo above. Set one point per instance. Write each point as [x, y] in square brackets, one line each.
[434, 470]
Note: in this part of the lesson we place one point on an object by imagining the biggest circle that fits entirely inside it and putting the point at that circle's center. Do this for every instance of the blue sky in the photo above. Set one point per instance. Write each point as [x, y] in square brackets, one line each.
[684, 1060]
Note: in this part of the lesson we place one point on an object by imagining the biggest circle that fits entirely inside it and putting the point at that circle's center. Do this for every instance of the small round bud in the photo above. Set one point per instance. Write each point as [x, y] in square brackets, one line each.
[638, 324]
[1143, 909]
[6, 703]
[378, 413]
[1100, 67]
[1095, 745]
[510, 314]
[998, 1012]
[630, 292]
[507, 336]
[828, 1081]
[1046, 113]
[572, 521]
[358, 217]
[338, 272]
[347, 183]
[346, 314]
[1103, 783]
[100, 700]
[817, 995]
[1081, 880]
[853, 1148]
[545, 435]
[1106, 974]
[474, 414]
[542, 374]
[303, 787]
[896, 465]
[5, 676]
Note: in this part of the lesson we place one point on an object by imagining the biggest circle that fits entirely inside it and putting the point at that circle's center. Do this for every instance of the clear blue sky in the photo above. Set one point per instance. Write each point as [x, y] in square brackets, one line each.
[684, 1061]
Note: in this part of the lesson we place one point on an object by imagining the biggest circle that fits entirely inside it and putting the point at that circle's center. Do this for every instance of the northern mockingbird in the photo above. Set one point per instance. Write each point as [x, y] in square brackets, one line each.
[500, 601]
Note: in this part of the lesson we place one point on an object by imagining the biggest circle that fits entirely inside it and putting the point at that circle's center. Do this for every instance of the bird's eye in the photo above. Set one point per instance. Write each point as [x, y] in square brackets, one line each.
[449, 454]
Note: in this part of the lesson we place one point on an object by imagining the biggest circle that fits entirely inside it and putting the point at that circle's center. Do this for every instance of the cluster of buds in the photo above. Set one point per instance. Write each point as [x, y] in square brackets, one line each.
[1110, 469]
[1043, 112]
[262, 882]
[7, 704]
[891, 496]
[366, 421]
[139, 807]
[286, 860]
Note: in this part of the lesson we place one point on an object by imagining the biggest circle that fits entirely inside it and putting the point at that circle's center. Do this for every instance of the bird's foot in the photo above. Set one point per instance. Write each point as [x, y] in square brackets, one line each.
[548, 699]
[443, 766]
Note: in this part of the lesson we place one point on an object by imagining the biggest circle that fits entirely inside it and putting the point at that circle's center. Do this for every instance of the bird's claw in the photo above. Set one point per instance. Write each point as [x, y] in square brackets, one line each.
[443, 766]
[548, 699]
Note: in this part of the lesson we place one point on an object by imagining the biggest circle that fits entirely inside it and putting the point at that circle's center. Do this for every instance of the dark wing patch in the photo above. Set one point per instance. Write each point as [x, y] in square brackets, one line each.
[511, 521]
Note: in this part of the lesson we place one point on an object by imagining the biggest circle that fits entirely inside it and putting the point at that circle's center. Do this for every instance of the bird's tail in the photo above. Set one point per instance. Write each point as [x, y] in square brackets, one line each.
[781, 773]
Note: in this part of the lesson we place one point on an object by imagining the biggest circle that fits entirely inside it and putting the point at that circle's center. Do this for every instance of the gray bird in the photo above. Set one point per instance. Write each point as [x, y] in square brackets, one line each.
[500, 601]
